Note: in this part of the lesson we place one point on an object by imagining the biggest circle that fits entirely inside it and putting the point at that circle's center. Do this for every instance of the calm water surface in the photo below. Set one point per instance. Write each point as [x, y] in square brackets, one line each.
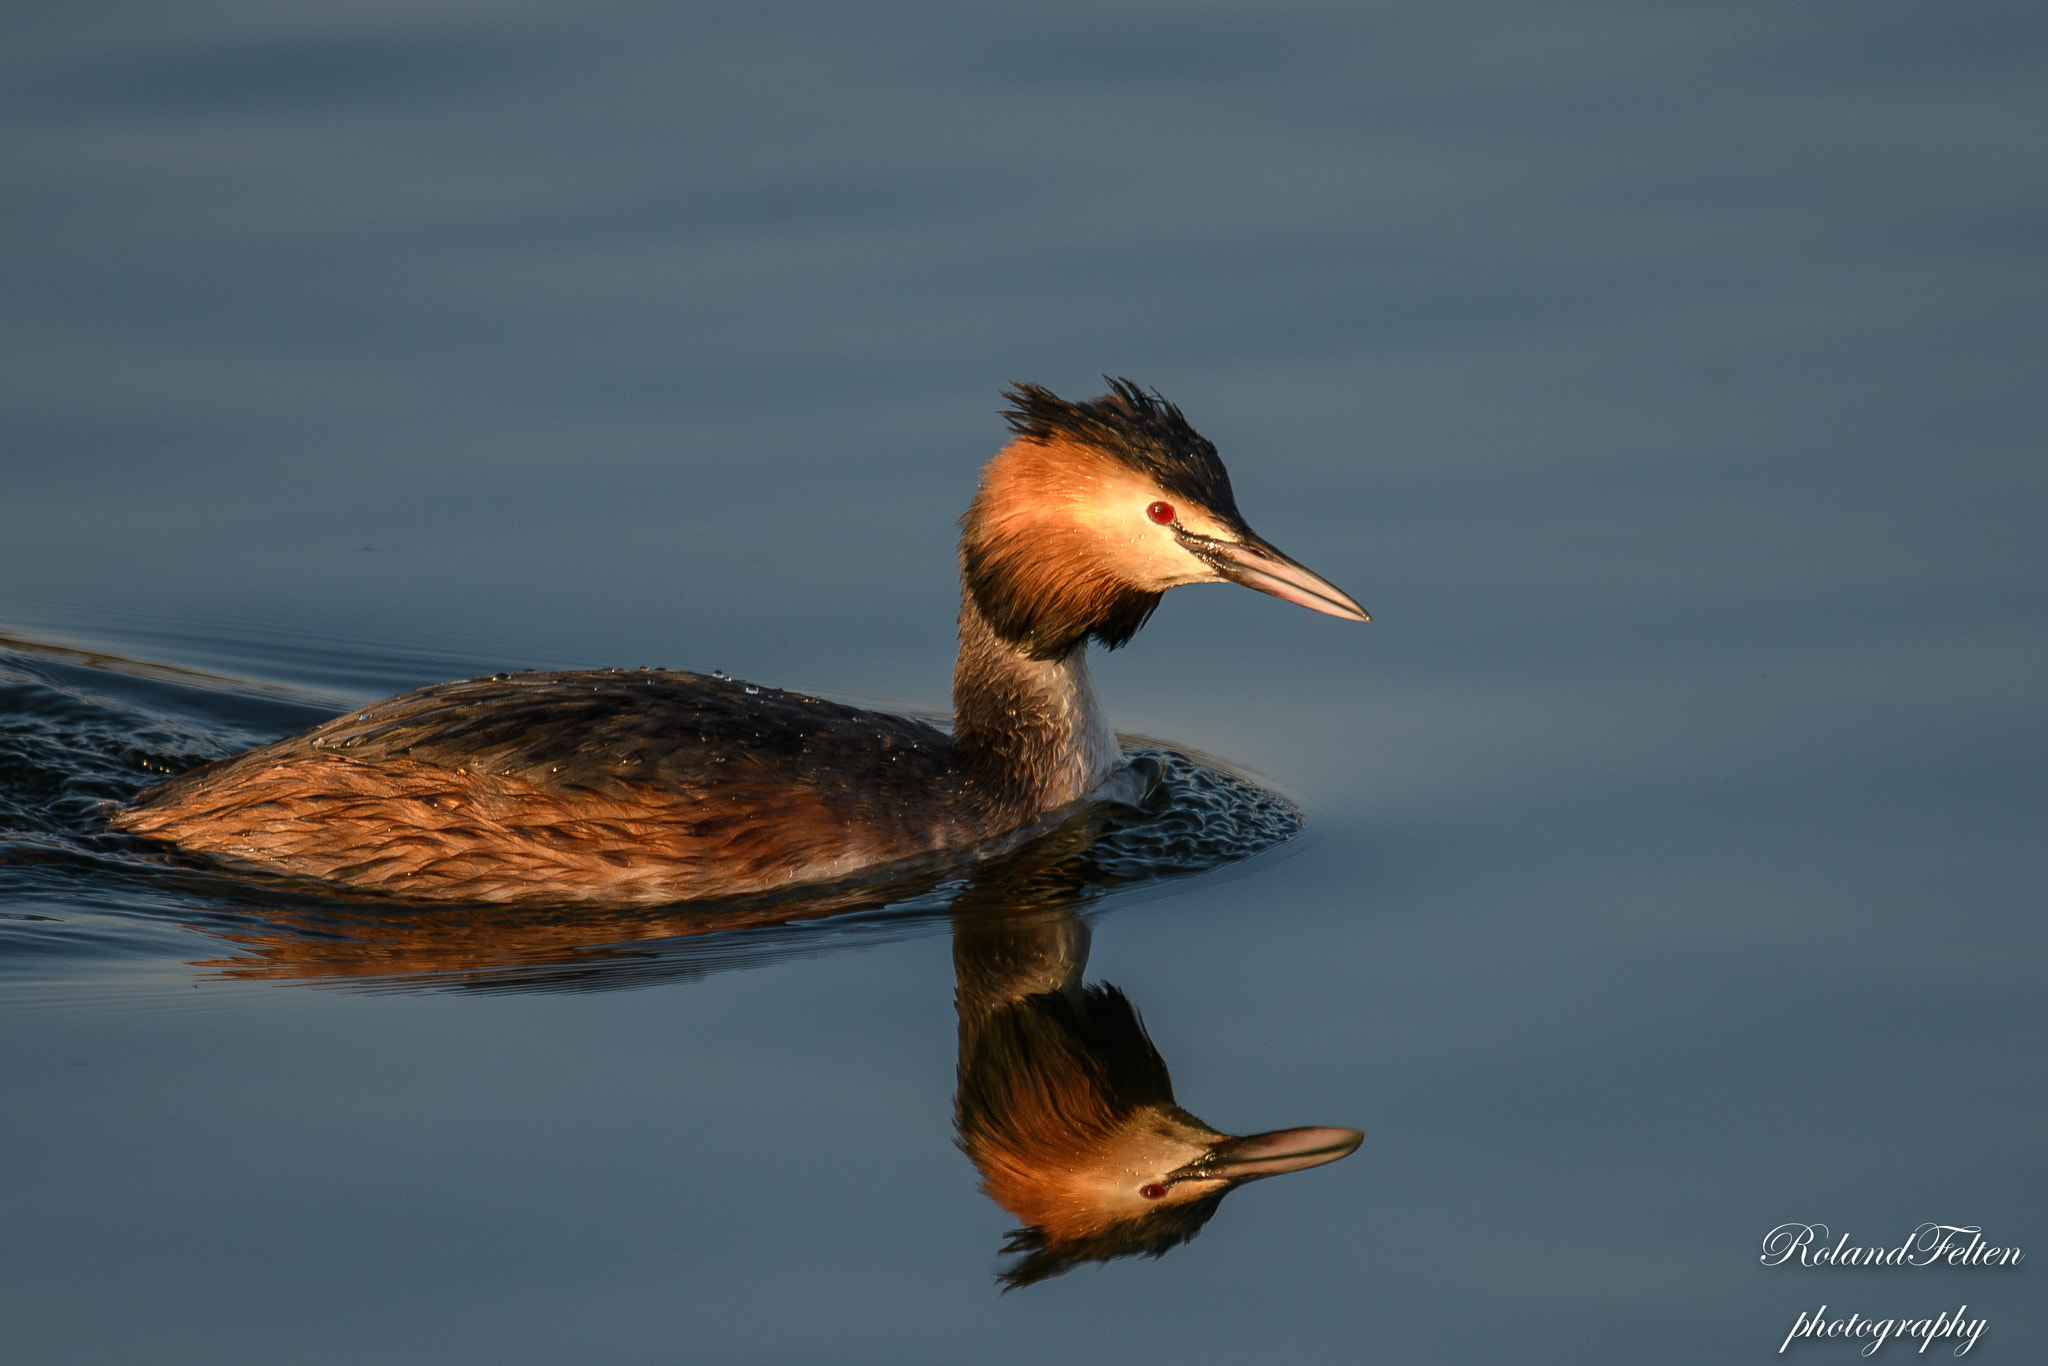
[1662, 865]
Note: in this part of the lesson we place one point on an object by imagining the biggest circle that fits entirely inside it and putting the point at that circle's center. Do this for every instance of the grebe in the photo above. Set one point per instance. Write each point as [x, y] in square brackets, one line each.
[653, 785]
[1066, 1108]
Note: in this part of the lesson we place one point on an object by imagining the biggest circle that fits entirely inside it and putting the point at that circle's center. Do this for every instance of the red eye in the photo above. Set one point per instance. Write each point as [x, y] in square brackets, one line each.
[1154, 1192]
[1161, 513]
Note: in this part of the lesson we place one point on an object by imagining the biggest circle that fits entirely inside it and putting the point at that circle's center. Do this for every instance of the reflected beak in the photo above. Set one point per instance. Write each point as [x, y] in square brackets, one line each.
[1256, 564]
[1283, 1150]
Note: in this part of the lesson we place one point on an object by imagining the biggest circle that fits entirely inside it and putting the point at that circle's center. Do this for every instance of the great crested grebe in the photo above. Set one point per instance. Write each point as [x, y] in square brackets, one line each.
[653, 785]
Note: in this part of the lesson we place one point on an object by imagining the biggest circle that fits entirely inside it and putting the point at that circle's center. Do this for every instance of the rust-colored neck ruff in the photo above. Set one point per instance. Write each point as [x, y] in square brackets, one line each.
[1036, 548]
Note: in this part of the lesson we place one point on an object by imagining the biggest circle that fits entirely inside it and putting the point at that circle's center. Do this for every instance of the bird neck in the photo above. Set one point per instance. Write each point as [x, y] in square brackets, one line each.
[999, 958]
[1029, 732]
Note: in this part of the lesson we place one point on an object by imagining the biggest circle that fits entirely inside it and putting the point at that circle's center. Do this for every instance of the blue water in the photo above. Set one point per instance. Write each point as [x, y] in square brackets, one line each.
[1667, 381]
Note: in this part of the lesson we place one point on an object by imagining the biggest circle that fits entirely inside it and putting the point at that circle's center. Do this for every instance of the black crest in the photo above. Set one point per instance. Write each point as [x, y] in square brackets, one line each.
[1141, 429]
[1155, 1234]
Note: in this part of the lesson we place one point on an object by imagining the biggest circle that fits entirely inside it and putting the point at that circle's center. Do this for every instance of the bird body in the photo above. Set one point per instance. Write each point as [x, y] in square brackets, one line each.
[658, 785]
[617, 786]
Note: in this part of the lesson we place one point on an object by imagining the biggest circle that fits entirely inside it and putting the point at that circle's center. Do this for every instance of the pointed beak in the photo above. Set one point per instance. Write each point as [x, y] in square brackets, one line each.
[1256, 564]
[1283, 1150]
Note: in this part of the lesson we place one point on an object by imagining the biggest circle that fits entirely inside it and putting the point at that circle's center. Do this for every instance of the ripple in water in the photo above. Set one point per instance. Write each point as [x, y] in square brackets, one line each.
[79, 731]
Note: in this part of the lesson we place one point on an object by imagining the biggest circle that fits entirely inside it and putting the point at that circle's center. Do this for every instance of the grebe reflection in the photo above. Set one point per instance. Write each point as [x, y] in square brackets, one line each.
[1067, 1110]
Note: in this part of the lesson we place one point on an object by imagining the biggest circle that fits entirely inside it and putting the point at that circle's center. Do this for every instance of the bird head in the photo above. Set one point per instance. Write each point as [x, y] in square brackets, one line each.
[1067, 1110]
[1093, 510]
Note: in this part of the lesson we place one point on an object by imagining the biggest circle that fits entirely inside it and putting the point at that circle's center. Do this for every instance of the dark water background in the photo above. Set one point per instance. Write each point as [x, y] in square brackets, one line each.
[1669, 380]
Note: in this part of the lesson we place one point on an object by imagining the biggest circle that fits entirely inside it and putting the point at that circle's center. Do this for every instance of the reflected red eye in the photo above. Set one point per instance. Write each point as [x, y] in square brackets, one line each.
[1161, 513]
[1155, 1191]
